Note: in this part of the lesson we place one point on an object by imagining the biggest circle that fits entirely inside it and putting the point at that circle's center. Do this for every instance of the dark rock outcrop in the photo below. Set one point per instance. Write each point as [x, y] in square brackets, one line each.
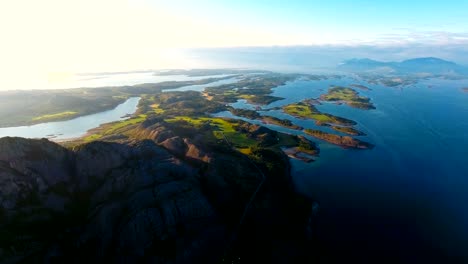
[144, 201]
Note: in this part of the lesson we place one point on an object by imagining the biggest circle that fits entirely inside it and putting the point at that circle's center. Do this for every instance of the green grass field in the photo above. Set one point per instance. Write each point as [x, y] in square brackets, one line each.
[220, 126]
[115, 127]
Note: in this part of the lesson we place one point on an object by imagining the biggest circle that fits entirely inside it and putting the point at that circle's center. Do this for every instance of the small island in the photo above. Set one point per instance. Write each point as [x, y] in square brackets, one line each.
[465, 89]
[346, 142]
[347, 95]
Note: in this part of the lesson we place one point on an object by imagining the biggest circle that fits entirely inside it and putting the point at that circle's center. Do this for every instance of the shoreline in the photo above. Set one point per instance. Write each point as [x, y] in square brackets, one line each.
[295, 153]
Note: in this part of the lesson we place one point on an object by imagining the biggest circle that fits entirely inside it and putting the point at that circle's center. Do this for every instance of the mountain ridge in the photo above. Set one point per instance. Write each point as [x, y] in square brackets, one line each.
[432, 65]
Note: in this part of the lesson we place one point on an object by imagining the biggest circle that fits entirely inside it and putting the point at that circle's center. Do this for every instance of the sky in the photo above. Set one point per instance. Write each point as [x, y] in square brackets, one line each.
[49, 39]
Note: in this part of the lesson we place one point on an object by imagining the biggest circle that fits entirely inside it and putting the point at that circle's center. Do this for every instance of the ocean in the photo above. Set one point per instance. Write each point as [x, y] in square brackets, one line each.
[406, 200]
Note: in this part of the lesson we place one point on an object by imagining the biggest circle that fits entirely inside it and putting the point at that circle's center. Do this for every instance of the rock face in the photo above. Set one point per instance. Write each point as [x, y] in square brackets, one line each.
[145, 201]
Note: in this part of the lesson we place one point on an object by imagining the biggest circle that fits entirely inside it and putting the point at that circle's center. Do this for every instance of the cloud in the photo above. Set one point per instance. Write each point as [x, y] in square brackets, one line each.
[405, 36]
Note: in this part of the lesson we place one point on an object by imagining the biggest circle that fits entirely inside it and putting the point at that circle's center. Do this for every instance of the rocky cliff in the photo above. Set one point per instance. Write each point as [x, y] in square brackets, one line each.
[158, 198]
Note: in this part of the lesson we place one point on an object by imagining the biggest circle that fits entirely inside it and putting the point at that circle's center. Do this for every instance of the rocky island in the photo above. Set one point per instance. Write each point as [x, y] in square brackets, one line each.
[348, 96]
[342, 141]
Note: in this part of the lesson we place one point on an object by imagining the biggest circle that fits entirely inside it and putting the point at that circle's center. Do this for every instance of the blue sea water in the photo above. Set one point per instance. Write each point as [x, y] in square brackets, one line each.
[410, 192]
[406, 200]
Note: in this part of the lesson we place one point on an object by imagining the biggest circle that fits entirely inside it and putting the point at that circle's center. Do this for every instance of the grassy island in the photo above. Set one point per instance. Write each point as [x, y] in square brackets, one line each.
[308, 111]
[348, 96]
[342, 141]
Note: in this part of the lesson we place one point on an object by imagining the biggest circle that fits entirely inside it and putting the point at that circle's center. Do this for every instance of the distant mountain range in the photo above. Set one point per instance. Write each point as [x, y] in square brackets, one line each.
[428, 65]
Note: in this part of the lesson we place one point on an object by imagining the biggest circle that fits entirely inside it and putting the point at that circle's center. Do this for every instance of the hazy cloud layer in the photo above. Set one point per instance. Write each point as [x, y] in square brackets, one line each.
[430, 38]
[310, 58]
